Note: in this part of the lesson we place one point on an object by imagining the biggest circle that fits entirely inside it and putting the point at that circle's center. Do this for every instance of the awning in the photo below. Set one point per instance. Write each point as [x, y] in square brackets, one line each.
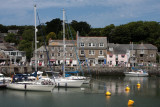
[53, 60]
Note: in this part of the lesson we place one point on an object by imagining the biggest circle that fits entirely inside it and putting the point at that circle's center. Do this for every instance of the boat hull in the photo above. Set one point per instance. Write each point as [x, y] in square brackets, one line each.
[30, 87]
[68, 83]
[131, 74]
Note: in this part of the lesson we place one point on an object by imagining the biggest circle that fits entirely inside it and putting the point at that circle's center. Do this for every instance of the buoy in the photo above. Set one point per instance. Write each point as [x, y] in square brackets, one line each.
[138, 85]
[127, 88]
[108, 93]
[130, 102]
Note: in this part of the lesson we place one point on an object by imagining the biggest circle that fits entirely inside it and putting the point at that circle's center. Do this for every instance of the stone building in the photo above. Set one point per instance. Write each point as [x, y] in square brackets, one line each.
[143, 54]
[56, 52]
[92, 50]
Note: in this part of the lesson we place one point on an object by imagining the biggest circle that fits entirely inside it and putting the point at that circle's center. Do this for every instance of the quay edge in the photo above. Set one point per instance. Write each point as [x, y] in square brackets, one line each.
[94, 71]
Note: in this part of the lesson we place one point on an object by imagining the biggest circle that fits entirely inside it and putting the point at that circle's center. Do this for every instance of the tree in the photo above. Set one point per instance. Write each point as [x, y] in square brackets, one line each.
[3, 29]
[25, 45]
[95, 32]
[83, 27]
[51, 35]
[28, 35]
[54, 25]
[11, 38]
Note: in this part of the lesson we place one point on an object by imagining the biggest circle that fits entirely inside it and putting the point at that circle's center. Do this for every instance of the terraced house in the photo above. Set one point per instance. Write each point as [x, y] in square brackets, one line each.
[92, 50]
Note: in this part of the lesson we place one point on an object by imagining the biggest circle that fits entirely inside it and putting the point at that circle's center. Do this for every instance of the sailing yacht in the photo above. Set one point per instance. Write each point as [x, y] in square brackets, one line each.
[64, 81]
[38, 85]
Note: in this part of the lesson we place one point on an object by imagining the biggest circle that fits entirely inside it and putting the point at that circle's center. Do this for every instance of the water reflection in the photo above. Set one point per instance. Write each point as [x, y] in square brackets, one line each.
[117, 85]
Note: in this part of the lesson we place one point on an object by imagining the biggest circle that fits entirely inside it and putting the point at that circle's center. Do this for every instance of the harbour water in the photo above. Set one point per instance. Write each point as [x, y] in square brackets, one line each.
[92, 95]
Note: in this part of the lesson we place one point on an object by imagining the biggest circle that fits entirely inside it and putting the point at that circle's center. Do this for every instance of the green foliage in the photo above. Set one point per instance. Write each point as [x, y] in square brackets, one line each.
[54, 26]
[3, 29]
[28, 35]
[26, 46]
[83, 27]
[51, 35]
[12, 38]
[96, 32]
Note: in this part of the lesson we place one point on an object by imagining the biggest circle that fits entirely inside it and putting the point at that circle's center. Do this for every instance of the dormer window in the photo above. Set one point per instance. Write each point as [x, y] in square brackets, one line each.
[91, 45]
[81, 44]
[101, 45]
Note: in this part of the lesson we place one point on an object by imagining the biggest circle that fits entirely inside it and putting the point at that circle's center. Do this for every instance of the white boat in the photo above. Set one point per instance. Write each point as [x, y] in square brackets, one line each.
[4, 81]
[64, 81]
[2, 78]
[86, 80]
[38, 85]
[137, 73]
[32, 86]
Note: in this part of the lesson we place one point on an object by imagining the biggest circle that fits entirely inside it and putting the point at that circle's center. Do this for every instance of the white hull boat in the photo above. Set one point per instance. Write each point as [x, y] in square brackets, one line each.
[135, 74]
[86, 79]
[31, 86]
[64, 82]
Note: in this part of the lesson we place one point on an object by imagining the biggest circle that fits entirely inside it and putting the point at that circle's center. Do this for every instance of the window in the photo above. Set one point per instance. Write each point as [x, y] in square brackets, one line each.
[82, 52]
[100, 52]
[41, 56]
[81, 44]
[70, 54]
[110, 55]
[91, 52]
[141, 55]
[59, 54]
[151, 55]
[52, 54]
[91, 45]
[101, 45]
[122, 55]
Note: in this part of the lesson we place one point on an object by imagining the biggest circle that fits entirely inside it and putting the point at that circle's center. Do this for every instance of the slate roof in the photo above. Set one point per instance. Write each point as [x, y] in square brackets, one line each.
[96, 40]
[6, 47]
[60, 42]
[121, 48]
[143, 47]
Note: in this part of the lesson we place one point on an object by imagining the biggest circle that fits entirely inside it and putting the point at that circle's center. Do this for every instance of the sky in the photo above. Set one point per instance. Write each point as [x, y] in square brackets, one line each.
[97, 13]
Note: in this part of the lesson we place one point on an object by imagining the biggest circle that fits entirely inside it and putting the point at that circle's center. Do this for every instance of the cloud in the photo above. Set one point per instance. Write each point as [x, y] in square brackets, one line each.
[96, 12]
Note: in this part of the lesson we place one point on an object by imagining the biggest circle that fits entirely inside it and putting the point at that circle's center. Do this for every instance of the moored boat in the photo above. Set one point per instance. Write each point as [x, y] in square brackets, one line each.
[137, 73]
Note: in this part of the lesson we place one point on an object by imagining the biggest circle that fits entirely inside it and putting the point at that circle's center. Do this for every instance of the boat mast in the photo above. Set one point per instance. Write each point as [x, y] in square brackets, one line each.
[35, 39]
[64, 43]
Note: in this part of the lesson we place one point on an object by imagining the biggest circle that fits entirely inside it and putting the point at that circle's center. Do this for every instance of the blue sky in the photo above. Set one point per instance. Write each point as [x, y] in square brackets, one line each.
[98, 13]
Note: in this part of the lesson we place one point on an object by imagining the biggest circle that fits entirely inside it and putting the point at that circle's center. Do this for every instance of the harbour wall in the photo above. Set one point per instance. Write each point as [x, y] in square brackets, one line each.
[95, 71]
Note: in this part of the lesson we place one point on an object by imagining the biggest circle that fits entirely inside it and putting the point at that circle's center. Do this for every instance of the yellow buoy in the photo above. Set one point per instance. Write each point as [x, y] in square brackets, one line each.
[127, 88]
[130, 102]
[138, 85]
[108, 93]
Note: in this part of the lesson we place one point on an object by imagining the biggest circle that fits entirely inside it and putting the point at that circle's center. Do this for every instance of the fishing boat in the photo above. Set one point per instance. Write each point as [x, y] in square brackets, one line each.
[37, 85]
[136, 73]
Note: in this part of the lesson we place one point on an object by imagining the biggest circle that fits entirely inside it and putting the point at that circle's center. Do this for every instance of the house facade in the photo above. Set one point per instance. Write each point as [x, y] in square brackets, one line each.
[15, 56]
[118, 55]
[92, 50]
[143, 54]
[56, 52]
